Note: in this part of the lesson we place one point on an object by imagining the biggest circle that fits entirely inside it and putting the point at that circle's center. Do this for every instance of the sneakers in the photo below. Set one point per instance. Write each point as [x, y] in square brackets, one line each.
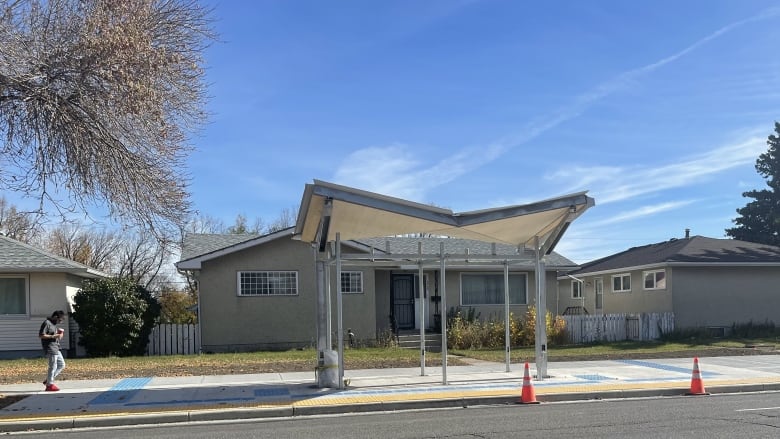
[52, 388]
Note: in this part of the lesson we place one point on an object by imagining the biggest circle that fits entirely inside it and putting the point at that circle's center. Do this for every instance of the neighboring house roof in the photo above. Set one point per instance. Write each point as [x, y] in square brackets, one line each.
[693, 250]
[213, 246]
[16, 256]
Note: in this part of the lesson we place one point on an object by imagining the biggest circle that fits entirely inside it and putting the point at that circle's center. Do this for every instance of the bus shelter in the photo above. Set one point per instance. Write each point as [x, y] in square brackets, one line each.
[330, 214]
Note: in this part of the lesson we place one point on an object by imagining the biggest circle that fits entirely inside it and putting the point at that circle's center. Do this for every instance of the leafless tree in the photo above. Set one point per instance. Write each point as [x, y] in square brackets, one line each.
[242, 226]
[21, 226]
[145, 259]
[287, 218]
[98, 100]
[203, 223]
[97, 249]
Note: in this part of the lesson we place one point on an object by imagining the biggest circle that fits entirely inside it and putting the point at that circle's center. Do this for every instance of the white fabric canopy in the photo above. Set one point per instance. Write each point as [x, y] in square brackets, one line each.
[327, 208]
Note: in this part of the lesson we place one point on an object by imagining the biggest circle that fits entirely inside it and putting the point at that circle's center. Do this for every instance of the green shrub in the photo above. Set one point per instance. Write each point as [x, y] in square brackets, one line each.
[467, 333]
[687, 334]
[115, 317]
[754, 330]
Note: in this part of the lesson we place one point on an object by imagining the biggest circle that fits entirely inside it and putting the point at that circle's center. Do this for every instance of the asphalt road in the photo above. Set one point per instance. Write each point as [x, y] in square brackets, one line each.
[755, 415]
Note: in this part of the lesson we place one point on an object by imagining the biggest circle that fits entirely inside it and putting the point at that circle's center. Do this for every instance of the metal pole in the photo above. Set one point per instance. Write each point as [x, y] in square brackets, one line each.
[421, 288]
[339, 310]
[328, 300]
[541, 314]
[506, 314]
[443, 310]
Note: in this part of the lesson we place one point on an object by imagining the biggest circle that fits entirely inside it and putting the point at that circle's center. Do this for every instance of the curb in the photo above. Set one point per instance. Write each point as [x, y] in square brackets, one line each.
[291, 411]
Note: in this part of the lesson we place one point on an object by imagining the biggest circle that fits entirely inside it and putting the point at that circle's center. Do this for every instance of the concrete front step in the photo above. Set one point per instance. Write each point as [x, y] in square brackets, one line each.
[412, 341]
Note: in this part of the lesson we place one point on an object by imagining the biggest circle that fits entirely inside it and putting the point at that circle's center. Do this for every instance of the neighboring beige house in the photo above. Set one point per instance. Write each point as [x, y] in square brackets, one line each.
[706, 282]
[33, 284]
[259, 292]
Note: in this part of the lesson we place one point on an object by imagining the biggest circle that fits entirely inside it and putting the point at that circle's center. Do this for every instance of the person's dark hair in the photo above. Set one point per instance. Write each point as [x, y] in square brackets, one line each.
[58, 313]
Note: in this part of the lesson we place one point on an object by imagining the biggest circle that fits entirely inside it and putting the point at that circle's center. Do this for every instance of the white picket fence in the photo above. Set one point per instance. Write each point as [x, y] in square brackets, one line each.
[618, 327]
[174, 339]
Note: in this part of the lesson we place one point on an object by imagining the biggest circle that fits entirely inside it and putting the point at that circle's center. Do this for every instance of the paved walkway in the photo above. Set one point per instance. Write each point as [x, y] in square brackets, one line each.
[150, 400]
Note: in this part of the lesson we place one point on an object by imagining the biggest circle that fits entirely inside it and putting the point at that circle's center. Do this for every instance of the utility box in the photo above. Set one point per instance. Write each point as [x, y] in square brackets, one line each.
[327, 370]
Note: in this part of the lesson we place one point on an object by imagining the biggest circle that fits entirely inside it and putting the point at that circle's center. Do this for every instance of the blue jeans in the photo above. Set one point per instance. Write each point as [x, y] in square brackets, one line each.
[56, 364]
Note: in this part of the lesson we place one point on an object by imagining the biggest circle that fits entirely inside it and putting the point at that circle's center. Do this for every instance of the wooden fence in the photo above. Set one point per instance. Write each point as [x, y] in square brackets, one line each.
[617, 327]
[174, 339]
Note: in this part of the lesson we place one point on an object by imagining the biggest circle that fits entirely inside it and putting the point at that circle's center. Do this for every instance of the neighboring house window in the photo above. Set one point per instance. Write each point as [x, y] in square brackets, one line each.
[576, 289]
[13, 295]
[352, 282]
[488, 289]
[621, 283]
[267, 283]
[655, 280]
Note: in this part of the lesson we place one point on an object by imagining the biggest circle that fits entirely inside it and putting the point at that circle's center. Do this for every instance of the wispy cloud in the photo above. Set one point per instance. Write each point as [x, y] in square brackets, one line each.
[641, 212]
[394, 169]
[610, 184]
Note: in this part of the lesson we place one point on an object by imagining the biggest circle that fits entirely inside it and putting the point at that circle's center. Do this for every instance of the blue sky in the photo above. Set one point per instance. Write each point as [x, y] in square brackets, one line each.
[659, 109]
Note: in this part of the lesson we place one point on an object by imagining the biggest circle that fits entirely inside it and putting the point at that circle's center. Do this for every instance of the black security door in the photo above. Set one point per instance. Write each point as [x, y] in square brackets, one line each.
[402, 297]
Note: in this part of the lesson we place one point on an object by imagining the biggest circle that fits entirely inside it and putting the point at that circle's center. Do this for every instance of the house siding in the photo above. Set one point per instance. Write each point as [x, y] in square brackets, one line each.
[239, 323]
[726, 295]
[637, 300]
[232, 323]
[19, 334]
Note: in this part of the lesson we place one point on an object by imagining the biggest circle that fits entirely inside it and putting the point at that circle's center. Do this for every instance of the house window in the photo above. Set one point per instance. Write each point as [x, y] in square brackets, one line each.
[488, 289]
[267, 283]
[655, 280]
[576, 289]
[13, 295]
[621, 283]
[352, 282]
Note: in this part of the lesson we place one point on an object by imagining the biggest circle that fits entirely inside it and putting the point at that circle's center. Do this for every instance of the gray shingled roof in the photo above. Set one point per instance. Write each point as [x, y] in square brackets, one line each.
[201, 244]
[198, 244]
[697, 249]
[432, 246]
[17, 257]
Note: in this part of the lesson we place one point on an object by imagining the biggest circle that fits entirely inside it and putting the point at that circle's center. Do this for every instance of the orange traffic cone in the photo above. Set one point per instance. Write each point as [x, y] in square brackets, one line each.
[528, 395]
[697, 385]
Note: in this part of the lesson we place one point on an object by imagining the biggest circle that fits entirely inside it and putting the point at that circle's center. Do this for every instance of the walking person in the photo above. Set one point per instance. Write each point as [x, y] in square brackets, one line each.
[50, 337]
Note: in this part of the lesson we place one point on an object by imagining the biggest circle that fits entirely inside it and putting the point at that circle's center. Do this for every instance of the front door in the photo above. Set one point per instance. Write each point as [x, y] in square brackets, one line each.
[598, 287]
[402, 300]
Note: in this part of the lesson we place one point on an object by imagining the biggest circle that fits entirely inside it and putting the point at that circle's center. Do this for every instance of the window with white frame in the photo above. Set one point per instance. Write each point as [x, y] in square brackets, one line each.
[655, 280]
[352, 282]
[488, 289]
[267, 283]
[13, 295]
[576, 289]
[621, 283]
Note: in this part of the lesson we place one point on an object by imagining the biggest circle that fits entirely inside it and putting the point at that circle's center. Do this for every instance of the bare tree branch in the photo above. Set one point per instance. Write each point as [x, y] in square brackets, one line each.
[98, 99]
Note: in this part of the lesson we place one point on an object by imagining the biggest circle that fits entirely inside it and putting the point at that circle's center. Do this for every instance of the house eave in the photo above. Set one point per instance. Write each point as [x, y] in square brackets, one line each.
[672, 264]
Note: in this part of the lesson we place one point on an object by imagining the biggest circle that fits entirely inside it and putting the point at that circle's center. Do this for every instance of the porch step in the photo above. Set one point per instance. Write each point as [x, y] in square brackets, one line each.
[412, 341]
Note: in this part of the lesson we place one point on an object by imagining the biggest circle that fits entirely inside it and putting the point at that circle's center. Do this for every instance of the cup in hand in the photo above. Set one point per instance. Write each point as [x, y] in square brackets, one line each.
[60, 331]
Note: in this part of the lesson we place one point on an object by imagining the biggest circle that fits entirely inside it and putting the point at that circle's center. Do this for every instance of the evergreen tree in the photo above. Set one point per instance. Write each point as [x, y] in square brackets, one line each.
[759, 220]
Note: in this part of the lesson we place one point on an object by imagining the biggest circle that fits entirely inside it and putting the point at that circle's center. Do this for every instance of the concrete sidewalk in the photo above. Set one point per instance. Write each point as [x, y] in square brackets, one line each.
[152, 400]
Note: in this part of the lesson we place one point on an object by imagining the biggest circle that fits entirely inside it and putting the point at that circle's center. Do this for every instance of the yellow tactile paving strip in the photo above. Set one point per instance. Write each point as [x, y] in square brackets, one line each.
[358, 396]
